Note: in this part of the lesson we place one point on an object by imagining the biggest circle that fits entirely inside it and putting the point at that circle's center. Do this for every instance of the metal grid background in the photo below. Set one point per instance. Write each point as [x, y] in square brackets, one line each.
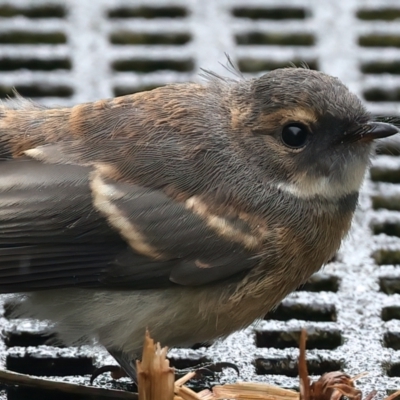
[65, 52]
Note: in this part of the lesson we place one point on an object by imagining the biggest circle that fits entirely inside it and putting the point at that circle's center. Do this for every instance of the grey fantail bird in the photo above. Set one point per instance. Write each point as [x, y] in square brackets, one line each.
[189, 209]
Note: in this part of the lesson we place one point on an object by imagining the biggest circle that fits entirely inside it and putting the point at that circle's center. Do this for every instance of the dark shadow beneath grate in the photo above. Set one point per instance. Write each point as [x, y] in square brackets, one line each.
[388, 149]
[308, 312]
[321, 283]
[379, 41]
[388, 175]
[385, 14]
[49, 366]
[380, 67]
[287, 367]
[392, 340]
[147, 66]
[42, 11]
[317, 339]
[393, 369]
[386, 257]
[275, 39]
[133, 38]
[31, 37]
[388, 228]
[389, 285]
[27, 338]
[124, 90]
[9, 308]
[389, 203]
[382, 95]
[253, 65]
[36, 91]
[34, 64]
[392, 391]
[278, 13]
[148, 12]
[392, 312]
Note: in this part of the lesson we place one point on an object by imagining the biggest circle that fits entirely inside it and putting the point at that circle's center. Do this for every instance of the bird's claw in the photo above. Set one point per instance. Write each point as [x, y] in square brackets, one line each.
[116, 372]
[211, 369]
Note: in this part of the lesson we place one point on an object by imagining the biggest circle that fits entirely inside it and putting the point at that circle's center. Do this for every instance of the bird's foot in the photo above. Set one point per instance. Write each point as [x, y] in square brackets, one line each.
[209, 369]
[127, 368]
[117, 372]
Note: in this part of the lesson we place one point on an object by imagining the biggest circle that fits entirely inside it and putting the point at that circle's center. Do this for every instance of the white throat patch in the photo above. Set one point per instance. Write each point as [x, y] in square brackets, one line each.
[306, 187]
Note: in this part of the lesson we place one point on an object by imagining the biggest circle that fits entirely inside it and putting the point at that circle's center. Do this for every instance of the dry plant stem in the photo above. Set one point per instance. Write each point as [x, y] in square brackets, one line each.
[206, 395]
[156, 379]
[259, 391]
[346, 388]
[186, 394]
[303, 370]
[372, 395]
[393, 395]
[203, 395]
[13, 378]
[330, 386]
[185, 378]
[183, 392]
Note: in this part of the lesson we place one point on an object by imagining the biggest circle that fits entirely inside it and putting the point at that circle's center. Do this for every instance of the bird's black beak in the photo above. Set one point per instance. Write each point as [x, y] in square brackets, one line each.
[369, 132]
[380, 130]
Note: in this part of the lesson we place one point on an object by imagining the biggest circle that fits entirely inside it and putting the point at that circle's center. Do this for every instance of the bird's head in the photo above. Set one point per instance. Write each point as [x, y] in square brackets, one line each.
[311, 135]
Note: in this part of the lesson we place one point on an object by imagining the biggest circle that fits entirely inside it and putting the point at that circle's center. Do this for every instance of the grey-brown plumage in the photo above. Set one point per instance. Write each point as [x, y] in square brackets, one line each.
[190, 209]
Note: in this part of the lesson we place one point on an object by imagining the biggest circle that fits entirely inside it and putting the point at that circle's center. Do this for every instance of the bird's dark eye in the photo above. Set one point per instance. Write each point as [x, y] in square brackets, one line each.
[294, 135]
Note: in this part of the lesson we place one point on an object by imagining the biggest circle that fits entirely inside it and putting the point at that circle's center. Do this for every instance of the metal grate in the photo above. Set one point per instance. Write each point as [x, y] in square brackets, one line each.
[65, 52]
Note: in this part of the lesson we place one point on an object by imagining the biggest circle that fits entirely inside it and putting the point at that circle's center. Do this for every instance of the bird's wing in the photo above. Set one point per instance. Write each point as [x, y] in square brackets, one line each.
[110, 194]
[66, 225]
